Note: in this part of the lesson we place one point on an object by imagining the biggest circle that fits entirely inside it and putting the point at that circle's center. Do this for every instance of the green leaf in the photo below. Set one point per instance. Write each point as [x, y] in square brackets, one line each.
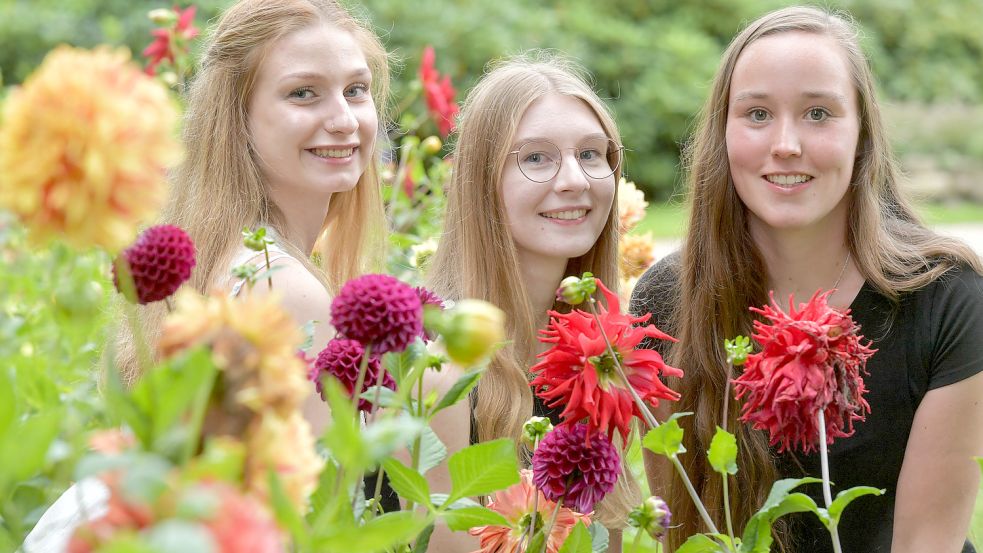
[180, 535]
[387, 397]
[385, 436]
[483, 468]
[23, 448]
[432, 450]
[8, 402]
[399, 364]
[537, 541]
[667, 438]
[440, 499]
[757, 533]
[781, 488]
[423, 540]
[285, 513]
[579, 541]
[599, 537]
[846, 496]
[700, 543]
[408, 483]
[723, 452]
[461, 388]
[343, 437]
[377, 535]
[469, 517]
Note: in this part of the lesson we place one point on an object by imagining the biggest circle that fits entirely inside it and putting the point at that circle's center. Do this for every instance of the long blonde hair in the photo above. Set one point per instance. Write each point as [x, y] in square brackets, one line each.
[219, 188]
[722, 272]
[476, 256]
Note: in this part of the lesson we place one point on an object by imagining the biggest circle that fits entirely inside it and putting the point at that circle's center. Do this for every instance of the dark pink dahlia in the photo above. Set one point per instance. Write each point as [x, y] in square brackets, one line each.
[378, 310]
[427, 297]
[341, 358]
[566, 465]
[160, 261]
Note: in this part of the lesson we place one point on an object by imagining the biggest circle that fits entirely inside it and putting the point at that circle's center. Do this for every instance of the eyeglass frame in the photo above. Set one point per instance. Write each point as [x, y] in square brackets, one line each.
[620, 151]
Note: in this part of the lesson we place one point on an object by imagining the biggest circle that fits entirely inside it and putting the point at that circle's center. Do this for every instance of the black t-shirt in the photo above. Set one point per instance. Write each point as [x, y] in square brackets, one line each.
[931, 338]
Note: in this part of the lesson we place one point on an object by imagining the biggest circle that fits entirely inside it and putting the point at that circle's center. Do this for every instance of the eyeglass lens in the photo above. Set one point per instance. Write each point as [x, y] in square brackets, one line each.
[540, 161]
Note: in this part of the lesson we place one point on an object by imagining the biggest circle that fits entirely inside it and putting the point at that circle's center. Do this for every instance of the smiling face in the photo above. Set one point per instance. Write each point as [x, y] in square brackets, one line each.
[562, 217]
[792, 132]
[312, 119]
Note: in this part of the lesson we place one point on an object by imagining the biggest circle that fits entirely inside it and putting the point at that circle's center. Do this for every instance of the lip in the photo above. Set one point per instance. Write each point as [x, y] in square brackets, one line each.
[566, 222]
[334, 160]
[790, 188]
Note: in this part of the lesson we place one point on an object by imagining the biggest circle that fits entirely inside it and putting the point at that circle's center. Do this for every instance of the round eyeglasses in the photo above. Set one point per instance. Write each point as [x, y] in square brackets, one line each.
[540, 160]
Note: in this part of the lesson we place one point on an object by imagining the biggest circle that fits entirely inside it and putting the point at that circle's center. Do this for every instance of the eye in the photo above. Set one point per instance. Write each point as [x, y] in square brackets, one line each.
[590, 154]
[305, 93]
[758, 115]
[818, 114]
[535, 158]
[357, 90]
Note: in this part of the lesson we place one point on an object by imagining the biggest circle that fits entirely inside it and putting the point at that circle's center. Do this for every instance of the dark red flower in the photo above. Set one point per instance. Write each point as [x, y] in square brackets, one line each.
[439, 94]
[810, 359]
[427, 297]
[341, 358]
[163, 46]
[566, 466]
[579, 373]
[379, 310]
[160, 261]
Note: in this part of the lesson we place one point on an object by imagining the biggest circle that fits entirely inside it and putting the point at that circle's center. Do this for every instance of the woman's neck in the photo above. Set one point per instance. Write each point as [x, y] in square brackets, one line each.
[303, 220]
[542, 276]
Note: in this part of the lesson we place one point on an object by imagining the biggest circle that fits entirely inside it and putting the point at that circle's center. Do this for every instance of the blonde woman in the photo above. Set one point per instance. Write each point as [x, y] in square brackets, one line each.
[794, 188]
[531, 200]
[280, 131]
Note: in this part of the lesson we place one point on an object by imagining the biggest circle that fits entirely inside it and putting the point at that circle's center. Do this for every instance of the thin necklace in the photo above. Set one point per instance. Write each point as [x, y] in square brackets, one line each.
[843, 270]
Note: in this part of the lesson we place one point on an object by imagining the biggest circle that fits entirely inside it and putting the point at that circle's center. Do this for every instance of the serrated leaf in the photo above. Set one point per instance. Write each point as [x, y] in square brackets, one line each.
[376, 535]
[757, 533]
[723, 452]
[845, 497]
[483, 468]
[461, 388]
[432, 450]
[579, 540]
[599, 537]
[469, 517]
[667, 438]
[700, 543]
[781, 488]
[408, 483]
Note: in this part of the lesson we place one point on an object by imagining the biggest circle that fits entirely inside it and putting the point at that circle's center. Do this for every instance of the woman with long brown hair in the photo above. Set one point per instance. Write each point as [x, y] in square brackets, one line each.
[793, 188]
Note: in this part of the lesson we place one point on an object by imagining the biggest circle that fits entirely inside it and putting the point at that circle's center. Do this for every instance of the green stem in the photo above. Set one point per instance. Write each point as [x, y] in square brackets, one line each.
[418, 442]
[652, 422]
[269, 275]
[827, 494]
[356, 396]
[377, 494]
[637, 542]
[549, 528]
[535, 502]
[730, 525]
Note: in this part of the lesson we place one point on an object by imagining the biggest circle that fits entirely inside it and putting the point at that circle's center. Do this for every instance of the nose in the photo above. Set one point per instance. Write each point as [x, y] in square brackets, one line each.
[339, 118]
[786, 142]
[570, 177]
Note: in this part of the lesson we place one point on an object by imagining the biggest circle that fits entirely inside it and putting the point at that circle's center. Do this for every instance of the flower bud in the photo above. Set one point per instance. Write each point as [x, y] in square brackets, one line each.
[162, 17]
[575, 290]
[256, 240]
[431, 145]
[533, 431]
[471, 331]
[737, 350]
[652, 517]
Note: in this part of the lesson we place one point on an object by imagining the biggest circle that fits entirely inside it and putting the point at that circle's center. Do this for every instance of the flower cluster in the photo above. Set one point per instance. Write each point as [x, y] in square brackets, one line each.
[569, 467]
[811, 360]
[636, 254]
[341, 358]
[160, 261]
[579, 373]
[378, 311]
[170, 41]
[83, 148]
[631, 205]
[520, 506]
[439, 93]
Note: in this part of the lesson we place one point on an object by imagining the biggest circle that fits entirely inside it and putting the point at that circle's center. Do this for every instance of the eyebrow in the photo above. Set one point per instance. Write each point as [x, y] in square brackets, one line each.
[528, 139]
[360, 73]
[829, 95]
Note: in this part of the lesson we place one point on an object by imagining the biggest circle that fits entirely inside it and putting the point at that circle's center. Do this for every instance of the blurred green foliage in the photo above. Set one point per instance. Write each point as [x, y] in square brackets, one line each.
[653, 59]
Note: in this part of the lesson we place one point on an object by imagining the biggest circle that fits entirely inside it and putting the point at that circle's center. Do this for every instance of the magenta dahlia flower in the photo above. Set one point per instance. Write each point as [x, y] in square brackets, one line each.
[160, 261]
[580, 471]
[341, 358]
[811, 359]
[378, 310]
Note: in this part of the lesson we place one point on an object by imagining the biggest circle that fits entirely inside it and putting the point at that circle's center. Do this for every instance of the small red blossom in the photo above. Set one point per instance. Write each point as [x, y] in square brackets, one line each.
[579, 373]
[160, 261]
[166, 41]
[378, 310]
[122, 515]
[516, 505]
[341, 358]
[569, 468]
[811, 359]
[439, 93]
[241, 524]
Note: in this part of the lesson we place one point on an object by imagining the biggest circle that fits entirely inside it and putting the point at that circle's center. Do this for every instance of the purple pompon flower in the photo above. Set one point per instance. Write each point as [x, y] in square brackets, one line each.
[566, 465]
[378, 310]
[427, 297]
[160, 261]
[341, 358]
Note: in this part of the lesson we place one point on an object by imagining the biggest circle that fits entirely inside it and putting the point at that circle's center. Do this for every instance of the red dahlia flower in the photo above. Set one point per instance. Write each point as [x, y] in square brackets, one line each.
[579, 373]
[163, 47]
[439, 93]
[160, 261]
[378, 310]
[811, 360]
[342, 358]
[566, 466]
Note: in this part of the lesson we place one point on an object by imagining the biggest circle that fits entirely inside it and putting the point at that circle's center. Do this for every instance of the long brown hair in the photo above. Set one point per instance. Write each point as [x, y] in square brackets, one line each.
[219, 188]
[476, 256]
[722, 272]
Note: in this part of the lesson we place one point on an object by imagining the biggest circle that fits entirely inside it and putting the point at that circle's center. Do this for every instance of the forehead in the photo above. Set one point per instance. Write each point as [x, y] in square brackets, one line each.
[318, 48]
[793, 62]
[558, 117]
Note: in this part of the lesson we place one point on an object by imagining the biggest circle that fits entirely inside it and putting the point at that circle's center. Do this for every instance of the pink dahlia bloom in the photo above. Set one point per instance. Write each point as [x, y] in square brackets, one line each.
[341, 358]
[569, 467]
[811, 359]
[579, 374]
[160, 261]
[516, 505]
[378, 310]
[240, 524]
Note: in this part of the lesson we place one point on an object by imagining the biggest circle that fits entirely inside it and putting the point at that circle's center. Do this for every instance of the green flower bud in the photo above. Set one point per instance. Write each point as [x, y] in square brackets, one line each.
[256, 240]
[431, 145]
[534, 430]
[472, 329]
[575, 290]
[737, 350]
[162, 17]
[652, 517]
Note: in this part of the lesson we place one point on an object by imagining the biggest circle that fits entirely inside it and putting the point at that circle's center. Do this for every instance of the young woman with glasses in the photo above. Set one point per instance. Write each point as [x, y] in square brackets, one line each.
[532, 200]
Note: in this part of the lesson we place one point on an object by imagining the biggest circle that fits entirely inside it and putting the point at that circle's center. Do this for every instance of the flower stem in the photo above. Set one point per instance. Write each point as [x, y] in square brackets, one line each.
[549, 528]
[375, 411]
[650, 420]
[356, 395]
[269, 275]
[827, 494]
[730, 525]
[418, 442]
[535, 502]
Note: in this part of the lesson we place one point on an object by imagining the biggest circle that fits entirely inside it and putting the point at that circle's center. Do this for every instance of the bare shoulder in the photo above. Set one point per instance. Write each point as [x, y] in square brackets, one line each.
[302, 295]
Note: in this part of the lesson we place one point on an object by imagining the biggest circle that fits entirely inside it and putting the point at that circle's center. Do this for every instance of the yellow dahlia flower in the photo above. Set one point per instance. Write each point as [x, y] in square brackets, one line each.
[286, 445]
[636, 254]
[84, 146]
[631, 205]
